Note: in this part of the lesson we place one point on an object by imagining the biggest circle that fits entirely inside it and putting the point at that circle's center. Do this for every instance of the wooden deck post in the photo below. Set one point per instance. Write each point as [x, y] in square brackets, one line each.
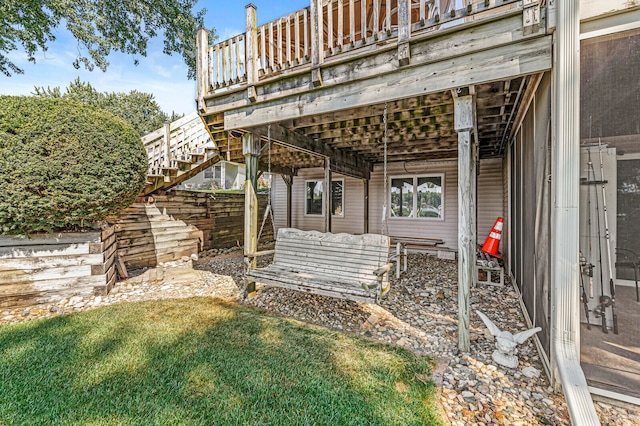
[202, 76]
[251, 152]
[327, 194]
[317, 42]
[463, 124]
[366, 206]
[404, 31]
[288, 180]
[166, 145]
[251, 52]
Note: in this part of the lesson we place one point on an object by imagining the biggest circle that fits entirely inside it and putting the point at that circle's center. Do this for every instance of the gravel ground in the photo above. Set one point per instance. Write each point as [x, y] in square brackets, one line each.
[419, 313]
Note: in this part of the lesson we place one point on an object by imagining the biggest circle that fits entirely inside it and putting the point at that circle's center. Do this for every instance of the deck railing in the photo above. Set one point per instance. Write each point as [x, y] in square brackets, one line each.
[176, 142]
[323, 31]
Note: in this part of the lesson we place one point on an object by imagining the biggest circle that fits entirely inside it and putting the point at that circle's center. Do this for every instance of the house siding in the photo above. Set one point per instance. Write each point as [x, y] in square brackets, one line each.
[490, 202]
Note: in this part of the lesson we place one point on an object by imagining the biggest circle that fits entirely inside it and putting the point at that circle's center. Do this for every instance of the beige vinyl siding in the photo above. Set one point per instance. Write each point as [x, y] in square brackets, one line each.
[446, 229]
[490, 196]
[490, 202]
[353, 219]
[279, 202]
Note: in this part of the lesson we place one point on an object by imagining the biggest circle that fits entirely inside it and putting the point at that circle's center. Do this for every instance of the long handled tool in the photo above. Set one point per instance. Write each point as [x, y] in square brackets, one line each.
[607, 236]
[583, 295]
[605, 301]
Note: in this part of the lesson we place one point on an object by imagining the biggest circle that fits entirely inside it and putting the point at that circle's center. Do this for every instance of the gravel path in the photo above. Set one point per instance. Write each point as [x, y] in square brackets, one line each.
[419, 313]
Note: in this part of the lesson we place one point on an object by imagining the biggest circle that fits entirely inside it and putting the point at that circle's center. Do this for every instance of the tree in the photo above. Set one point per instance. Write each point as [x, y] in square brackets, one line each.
[64, 164]
[138, 109]
[99, 26]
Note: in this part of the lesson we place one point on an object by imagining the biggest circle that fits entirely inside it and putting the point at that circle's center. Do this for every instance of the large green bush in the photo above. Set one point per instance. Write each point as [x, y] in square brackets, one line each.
[63, 164]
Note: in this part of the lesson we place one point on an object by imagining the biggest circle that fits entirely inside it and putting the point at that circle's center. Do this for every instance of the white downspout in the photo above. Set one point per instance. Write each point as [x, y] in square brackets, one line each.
[565, 320]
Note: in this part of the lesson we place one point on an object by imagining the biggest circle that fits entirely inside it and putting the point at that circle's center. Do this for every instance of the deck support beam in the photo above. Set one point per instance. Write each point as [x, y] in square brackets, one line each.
[342, 162]
[327, 194]
[288, 180]
[251, 152]
[464, 123]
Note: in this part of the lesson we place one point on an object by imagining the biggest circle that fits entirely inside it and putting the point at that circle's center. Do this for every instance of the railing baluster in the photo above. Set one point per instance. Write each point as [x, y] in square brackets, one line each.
[422, 10]
[306, 34]
[271, 42]
[238, 73]
[224, 62]
[210, 77]
[288, 36]
[376, 17]
[388, 16]
[263, 50]
[330, 26]
[296, 30]
[363, 22]
[340, 23]
[352, 22]
[280, 56]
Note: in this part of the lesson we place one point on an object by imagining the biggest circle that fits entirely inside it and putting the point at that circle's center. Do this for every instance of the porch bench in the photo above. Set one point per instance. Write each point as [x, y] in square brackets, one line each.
[353, 267]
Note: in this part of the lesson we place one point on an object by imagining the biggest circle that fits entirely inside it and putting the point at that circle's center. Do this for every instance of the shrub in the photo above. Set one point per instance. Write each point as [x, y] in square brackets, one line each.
[63, 164]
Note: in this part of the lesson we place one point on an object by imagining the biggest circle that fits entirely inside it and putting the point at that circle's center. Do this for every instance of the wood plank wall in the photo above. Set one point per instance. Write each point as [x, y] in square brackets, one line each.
[174, 224]
[49, 267]
[220, 217]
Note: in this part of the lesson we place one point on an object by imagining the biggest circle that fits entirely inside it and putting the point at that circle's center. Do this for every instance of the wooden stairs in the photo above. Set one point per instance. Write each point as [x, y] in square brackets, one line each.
[177, 152]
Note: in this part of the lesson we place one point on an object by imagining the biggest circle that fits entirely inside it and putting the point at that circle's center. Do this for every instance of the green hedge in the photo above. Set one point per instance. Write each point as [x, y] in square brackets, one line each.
[64, 165]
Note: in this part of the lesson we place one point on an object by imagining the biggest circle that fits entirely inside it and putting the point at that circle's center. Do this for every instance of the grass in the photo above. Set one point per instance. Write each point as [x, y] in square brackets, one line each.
[197, 361]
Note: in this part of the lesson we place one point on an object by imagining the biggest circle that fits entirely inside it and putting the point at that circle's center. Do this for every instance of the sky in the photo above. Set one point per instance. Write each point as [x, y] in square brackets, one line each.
[162, 75]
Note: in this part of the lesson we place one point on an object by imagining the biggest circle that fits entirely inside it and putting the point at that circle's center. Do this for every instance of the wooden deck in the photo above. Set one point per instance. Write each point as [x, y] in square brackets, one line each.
[321, 77]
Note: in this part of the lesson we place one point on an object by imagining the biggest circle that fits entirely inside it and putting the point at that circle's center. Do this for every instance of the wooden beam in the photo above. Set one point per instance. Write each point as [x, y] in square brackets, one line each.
[526, 57]
[251, 51]
[251, 151]
[342, 161]
[404, 31]
[288, 180]
[327, 195]
[202, 83]
[317, 43]
[463, 111]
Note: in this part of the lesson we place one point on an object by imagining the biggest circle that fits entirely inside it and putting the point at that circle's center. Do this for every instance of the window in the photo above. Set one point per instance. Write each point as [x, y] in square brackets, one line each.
[314, 197]
[337, 197]
[314, 191]
[417, 197]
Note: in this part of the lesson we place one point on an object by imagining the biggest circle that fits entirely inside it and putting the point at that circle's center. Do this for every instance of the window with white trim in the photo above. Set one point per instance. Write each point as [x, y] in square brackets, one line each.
[417, 197]
[314, 194]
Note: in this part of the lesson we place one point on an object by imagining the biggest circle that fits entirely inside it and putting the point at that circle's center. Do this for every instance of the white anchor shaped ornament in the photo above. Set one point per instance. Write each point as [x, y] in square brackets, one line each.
[506, 343]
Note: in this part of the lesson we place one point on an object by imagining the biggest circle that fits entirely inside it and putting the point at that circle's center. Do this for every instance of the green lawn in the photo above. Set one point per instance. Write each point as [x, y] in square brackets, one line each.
[197, 361]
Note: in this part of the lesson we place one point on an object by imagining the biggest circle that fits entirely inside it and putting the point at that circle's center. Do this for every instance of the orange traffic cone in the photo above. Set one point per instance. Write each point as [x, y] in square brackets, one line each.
[492, 242]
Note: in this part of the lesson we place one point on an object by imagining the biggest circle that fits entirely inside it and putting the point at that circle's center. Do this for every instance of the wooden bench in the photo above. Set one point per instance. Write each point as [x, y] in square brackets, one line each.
[353, 267]
[402, 245]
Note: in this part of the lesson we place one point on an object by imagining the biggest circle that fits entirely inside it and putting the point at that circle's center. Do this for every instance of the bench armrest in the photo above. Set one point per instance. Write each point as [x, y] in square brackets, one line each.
[260, 253]
[383, 270]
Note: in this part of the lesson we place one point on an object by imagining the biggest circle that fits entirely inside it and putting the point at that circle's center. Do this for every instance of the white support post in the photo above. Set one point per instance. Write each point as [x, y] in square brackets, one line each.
[565, 273]
[463, 124]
